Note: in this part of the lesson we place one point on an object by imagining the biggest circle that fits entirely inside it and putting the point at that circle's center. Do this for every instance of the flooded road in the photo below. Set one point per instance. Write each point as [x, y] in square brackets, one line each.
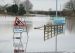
[36, 37]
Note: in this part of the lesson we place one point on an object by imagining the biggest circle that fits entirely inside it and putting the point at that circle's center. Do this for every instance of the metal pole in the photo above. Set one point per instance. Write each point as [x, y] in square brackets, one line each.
[56, 35]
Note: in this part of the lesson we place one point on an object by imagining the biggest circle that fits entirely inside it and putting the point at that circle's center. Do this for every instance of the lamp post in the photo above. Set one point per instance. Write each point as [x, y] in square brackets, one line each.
[56, 35]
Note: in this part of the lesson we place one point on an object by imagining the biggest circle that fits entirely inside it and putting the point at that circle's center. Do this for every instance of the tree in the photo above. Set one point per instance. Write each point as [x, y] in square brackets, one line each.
[70, 8]
[12, 9]
[69, 11]
[27, 5]
[21, 10]
[16, 2]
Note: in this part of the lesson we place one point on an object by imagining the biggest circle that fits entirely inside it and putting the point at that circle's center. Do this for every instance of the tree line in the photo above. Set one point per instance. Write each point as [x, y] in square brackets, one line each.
[18, 9]
[69, 9]
[15, 10]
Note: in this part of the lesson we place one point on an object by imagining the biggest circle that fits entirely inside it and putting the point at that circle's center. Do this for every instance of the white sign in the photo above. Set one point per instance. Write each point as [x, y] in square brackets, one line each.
[18, 30]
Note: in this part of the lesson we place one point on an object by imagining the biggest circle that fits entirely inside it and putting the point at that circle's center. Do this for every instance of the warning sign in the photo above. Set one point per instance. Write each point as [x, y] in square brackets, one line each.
[18, 22]
[19, 26]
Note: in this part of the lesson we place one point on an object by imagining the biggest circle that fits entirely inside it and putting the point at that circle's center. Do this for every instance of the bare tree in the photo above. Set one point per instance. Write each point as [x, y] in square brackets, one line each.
[27, 5]
[69, 11]
[70, 7]
[16, 2]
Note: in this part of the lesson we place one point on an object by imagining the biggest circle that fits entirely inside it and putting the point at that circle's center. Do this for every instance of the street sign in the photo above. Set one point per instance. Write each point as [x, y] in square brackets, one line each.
[18, 30]
[18, 22]
[19, 26]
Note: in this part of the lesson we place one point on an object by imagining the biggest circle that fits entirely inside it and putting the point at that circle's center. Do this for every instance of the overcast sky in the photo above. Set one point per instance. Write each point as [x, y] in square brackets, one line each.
[41, 4]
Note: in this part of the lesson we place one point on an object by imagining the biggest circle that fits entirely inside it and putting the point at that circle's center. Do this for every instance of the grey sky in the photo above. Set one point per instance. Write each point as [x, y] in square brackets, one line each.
[41, 4]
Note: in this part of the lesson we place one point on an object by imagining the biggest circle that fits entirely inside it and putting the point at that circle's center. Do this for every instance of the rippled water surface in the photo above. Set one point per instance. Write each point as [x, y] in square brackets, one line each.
[36, 37]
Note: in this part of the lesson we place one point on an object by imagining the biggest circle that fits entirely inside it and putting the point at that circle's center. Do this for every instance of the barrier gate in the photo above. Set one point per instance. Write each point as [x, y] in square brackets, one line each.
[51, 30]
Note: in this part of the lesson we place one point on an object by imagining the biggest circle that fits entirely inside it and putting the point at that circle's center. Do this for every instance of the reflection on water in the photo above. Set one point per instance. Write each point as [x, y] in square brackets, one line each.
[36, 42]
[6, 32]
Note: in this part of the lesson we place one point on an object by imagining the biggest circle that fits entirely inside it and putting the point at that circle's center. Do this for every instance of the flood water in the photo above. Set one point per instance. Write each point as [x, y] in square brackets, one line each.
[36, 37]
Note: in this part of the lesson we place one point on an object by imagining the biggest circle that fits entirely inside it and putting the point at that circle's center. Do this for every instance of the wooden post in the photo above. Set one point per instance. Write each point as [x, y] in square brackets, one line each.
[51, 31]
[44, 32]
[62, 27]
[54, 30]
[57, 30]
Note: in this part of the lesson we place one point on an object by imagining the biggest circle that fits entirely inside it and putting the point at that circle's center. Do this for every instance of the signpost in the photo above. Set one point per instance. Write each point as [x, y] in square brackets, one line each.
[56, 17]
[19, 28]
